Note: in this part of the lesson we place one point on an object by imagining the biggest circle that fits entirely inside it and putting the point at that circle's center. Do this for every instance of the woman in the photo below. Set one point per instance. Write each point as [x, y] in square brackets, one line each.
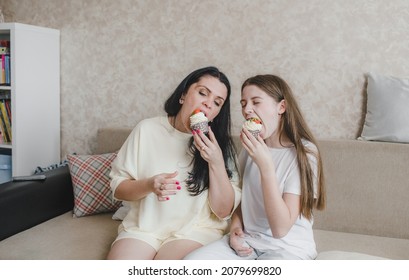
[181, 184]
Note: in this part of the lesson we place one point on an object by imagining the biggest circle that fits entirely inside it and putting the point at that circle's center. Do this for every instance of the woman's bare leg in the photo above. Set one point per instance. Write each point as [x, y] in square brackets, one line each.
[131, 249]
[177, 250]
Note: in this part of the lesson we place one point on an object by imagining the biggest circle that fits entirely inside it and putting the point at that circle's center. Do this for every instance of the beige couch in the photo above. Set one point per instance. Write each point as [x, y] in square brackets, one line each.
[367, 216]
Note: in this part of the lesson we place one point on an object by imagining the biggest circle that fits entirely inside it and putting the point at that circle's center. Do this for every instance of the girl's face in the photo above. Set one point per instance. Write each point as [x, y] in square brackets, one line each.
[255, 103]
[208, 95]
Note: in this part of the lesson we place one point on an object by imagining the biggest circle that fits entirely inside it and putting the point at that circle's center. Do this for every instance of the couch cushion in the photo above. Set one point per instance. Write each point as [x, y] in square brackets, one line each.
[343, 255]
[63, 238]
[375, 246]
[90, 238]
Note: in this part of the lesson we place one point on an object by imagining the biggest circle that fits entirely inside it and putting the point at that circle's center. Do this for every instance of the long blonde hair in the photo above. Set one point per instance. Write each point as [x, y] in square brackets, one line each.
[296, 129]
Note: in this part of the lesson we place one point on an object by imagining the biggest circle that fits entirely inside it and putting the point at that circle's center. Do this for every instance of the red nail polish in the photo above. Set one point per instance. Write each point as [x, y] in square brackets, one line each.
[167, 198]
[177, 183]
[178, 187]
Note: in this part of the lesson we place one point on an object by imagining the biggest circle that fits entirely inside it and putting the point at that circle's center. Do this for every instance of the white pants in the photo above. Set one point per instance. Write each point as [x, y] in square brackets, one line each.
[221, 250]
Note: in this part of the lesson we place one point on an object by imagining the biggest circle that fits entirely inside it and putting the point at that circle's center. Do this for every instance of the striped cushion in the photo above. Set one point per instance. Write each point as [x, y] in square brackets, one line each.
[90, 180]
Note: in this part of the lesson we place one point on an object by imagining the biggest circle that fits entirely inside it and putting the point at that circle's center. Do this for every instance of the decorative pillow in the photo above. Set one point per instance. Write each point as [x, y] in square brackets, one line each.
[90, 180]
[387, 115]
[121, 213]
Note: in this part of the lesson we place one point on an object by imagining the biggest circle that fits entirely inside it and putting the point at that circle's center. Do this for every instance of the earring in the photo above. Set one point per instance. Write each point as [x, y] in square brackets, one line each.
[181, 101]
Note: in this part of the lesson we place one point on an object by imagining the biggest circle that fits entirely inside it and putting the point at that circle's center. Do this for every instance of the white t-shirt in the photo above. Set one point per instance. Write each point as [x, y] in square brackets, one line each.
[155, 147]
[299, 240]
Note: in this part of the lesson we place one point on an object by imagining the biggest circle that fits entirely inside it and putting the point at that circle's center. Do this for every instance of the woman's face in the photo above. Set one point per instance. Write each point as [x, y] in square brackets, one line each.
[255, 103]
[208, 95]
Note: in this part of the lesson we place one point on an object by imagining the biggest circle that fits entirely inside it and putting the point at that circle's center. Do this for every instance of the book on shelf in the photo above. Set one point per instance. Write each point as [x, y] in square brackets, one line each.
[5, 104]
[5, 43]
[5, 94]
[6, 136]
[8, 109]
[5, 69]
[5, 98]
[4, 50]
[6, 118]
[4, 47]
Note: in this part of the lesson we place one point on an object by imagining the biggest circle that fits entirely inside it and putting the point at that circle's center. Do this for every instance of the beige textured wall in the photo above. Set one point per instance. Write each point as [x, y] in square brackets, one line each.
[121, 59]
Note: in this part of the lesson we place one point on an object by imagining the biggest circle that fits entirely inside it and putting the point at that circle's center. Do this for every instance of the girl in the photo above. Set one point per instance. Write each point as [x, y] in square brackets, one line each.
[282, 180]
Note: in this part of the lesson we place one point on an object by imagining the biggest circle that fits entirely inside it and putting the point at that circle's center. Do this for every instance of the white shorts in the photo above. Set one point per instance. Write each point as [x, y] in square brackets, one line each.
[202, 236]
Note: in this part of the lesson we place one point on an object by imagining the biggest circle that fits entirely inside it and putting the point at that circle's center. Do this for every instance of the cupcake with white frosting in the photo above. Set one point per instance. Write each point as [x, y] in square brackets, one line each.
[254, 126]
[199, 121]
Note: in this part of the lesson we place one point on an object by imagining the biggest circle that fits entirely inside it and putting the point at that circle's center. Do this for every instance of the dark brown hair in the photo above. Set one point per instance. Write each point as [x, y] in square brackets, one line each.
[198, 180]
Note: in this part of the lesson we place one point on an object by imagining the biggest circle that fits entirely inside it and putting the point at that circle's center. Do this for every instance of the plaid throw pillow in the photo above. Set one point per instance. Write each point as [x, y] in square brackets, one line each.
[90, 180]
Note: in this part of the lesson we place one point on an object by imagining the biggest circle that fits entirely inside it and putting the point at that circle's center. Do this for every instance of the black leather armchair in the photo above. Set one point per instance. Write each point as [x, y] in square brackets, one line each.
[29, 203]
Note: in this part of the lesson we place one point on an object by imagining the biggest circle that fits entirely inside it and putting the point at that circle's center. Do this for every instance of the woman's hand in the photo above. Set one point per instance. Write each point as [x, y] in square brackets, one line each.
[238, 244]
[164, 185]
[208, 147]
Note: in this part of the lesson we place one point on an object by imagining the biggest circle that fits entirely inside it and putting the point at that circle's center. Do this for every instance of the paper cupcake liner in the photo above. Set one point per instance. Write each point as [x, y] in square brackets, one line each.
[203, 126]
[255, 133]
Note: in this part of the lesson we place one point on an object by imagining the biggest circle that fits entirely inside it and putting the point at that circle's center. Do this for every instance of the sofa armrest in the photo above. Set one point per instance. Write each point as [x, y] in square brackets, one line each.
[26, 204]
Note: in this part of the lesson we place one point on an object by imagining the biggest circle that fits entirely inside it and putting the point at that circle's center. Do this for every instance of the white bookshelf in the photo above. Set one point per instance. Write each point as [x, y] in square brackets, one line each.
[35, 96]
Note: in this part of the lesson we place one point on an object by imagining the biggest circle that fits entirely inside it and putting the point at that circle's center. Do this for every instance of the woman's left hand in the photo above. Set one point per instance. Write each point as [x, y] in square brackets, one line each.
[208, 146]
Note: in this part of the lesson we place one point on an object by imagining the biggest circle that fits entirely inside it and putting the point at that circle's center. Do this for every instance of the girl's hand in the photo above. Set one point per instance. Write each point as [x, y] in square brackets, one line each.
[256, 148]
[238, 244]
[164, 185]
[208, 147]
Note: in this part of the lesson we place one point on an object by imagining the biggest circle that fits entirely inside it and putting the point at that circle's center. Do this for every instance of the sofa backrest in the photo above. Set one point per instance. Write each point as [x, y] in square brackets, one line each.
[367, 188]
[367, 184]
[111, 139]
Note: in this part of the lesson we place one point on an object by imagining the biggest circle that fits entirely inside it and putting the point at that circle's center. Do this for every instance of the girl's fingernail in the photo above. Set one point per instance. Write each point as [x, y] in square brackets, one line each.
[177, 183]
[178, 187]
[167, 198]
